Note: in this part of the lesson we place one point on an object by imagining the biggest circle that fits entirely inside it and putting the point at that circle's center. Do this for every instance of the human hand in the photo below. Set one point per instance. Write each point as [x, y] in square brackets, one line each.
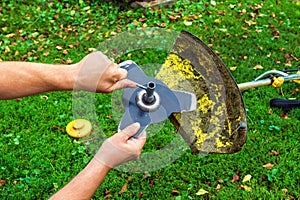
[121, 147]
[96, 73]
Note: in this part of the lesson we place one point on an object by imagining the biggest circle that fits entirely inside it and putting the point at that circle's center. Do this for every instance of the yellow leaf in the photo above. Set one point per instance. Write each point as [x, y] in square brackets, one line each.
[91, 31]
[106, 34]
[232, 68]
[218, 21]
[213, 3]
[231, 6]
[223, 29]
[247, 188]
[92, 49]
[10, 35]
[188, 23]
[7, 49]
[258, 67]
[58, 47]
[201, 192]
[86, 8]
[247, 178]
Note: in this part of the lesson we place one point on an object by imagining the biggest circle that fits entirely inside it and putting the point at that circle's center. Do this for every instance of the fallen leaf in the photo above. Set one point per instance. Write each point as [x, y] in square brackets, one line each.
[188, 23]
[247, 188]
[123, 189]
[69, 61]
[140, 194]
[65, 52]
[270, 111]
[232, 68]
[10, 35]
[92, 49]
[201, 192]
[273, 15]
[57, 127]
[58, 47]
[109, 116]
[235, 178]
[175, 192]
[44, 97]
[46, 54]
[7, 49]
[218, 187]
[247, 178]
[146, 174]
[2, 182]
[218, 21]
[213, 3]
[289, 63]
[273, 152]
[258, 67]
[268, 166]
[285, 191]
[284, 116]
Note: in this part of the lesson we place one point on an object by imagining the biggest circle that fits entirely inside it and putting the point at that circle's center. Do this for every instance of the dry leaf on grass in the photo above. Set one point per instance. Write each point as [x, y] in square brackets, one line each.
[258, 67]
[201, 192]
[268, 166]
[123, 189]
[247, 178]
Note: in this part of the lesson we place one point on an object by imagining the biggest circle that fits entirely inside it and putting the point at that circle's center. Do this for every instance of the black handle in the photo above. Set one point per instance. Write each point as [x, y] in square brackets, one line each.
[285, 105]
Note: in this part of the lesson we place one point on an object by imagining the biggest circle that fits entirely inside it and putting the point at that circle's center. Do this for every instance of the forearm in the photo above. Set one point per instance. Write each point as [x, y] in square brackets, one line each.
[20, 79]
[84, 185]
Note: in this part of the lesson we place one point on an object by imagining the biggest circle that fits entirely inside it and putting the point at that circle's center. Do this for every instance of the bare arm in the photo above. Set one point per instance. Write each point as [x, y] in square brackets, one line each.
[114, 151]
[84, 185]
[18, 79]
[95, 72]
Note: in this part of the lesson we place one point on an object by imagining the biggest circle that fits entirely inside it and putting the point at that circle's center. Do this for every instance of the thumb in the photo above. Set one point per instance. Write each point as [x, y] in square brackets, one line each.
[125, 83]
[131, 130]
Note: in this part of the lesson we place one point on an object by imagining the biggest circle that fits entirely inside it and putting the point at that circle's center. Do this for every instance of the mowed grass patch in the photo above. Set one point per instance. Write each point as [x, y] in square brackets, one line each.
[38, 157]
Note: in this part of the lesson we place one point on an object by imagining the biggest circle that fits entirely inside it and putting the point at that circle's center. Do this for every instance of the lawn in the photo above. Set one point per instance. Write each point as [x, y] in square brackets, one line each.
[37, 156]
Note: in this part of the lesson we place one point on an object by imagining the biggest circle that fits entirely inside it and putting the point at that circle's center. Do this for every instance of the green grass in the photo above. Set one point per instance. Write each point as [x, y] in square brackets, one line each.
[37, 157]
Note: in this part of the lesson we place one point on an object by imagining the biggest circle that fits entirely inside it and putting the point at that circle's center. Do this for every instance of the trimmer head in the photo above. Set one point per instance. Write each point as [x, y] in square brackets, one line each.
[218, 124]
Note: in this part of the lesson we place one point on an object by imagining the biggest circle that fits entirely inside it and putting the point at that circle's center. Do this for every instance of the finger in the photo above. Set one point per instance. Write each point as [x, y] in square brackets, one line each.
[143, 136]
[131, 130]
[120, 73]
[125, 83]
[140, 141]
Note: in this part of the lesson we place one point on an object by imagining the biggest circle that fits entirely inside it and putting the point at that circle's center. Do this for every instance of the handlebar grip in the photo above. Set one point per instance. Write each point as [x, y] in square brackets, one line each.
[285, 105]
